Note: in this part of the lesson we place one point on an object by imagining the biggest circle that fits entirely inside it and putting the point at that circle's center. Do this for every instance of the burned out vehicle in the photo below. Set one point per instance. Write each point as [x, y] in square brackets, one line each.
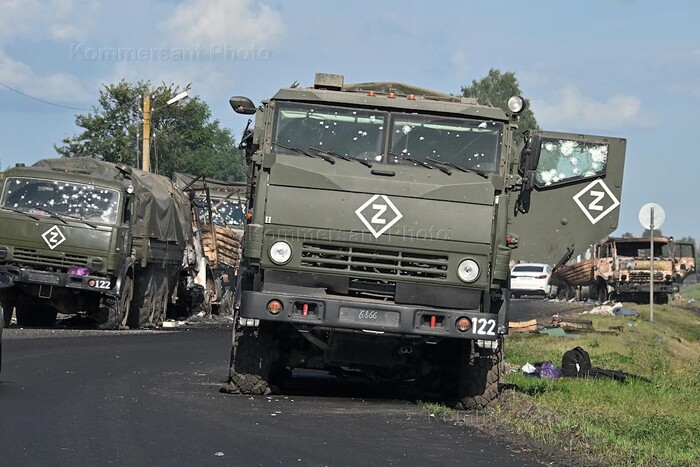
[382, 228]
[620, 269]
[683, 254]
[218, 211]
[79, 235]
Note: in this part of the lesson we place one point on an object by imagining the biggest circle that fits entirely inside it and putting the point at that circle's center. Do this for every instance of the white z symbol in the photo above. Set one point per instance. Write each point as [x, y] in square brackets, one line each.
[54, 237]
[380, 208]
[594, 206]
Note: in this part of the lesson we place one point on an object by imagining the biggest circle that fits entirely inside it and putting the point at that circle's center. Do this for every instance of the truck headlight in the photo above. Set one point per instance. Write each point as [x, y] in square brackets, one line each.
[468, 270]
[280, 252]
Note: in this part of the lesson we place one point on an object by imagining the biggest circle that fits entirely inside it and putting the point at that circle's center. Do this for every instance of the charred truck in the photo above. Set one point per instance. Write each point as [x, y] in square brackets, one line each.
[218, 210]
[620, 269]
[79, 235]
[380, 232]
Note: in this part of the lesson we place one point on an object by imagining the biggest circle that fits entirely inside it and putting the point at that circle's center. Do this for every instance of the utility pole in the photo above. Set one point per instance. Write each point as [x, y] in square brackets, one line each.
[146, 153]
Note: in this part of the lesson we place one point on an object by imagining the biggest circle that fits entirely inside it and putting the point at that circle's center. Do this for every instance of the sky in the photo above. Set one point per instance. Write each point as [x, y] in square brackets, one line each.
[620, 68]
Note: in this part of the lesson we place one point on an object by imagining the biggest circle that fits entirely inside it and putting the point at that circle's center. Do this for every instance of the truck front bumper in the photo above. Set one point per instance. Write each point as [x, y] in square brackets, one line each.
[632, 287]
[334, 313]
[46, 279]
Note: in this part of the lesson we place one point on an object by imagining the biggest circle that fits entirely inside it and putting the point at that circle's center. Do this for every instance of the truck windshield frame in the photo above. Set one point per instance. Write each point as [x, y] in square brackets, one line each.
[64, 198]
[362, 134]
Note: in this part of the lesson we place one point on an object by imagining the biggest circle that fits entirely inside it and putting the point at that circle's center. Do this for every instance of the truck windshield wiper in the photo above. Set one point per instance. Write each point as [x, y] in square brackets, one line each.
[341, 156]
[76, 218]
[459, 167]
[21, 212]
[306, 153]
[53, 214]
[420, 162]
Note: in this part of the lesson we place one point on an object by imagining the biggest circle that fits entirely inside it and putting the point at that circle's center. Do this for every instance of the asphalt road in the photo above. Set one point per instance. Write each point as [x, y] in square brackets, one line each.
[150, 398]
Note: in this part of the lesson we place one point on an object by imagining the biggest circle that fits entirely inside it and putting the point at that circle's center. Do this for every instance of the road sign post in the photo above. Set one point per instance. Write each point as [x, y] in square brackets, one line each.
[651, 216]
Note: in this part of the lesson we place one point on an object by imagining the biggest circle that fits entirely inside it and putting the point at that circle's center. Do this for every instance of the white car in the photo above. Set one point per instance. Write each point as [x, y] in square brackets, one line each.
[531, 279]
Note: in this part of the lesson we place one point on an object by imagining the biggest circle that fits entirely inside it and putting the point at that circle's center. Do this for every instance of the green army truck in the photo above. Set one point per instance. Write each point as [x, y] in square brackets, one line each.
[382, 219]
[78, 235]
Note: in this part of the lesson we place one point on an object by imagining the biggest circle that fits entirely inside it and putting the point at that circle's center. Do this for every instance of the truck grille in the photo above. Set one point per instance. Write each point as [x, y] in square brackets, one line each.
[643, 276]
[25, 255]
[374, 261]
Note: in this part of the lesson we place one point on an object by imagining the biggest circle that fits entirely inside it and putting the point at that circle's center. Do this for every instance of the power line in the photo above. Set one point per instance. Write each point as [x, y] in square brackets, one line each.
[41, 100]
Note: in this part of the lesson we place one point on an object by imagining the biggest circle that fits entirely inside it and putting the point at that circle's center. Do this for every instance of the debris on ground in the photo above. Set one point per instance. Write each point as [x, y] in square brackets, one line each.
[523, 326]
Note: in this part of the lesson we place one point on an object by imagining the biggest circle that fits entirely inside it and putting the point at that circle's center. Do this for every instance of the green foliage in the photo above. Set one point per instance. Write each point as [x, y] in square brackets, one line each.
[495, 89]
[184, 138]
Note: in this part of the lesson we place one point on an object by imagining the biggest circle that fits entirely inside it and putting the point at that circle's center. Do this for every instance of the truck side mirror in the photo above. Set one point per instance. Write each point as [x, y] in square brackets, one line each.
[530, 155]
[242, 105]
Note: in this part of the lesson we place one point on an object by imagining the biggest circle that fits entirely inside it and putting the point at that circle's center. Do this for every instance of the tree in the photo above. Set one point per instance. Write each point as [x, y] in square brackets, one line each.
[184, 137]
[627, 235]
[495, 89]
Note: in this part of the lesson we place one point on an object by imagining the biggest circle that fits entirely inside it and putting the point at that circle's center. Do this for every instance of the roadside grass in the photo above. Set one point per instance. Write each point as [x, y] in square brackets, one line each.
[633, 423]
[691, 291]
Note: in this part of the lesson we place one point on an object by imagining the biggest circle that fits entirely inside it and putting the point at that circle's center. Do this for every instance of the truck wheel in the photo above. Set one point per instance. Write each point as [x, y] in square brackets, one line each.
[113, 314]
[479, 375]
[32, 313]
[602, 293]
[251, 360]
[142, 311]
[160, 310]
[661, 298]
[8, 306]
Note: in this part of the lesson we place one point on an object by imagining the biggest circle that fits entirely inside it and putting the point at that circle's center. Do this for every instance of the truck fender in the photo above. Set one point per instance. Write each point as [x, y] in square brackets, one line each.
[124, 268]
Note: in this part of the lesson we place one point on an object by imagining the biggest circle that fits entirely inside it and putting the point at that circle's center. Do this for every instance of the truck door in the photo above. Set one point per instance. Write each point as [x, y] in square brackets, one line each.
[576, 197]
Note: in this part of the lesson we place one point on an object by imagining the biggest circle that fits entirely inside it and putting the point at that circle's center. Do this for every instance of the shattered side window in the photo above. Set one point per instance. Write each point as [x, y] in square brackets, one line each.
[564, 160]
[225, 212]
[44, 197]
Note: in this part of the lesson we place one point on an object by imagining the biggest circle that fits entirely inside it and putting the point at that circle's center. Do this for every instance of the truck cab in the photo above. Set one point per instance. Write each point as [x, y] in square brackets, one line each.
[379, 234]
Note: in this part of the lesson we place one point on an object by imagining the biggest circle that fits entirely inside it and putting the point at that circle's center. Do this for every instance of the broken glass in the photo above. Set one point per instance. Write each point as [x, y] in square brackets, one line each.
[61, 198]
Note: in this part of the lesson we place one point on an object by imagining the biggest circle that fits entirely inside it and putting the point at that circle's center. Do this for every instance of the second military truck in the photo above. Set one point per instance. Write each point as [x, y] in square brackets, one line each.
[78, 235]
[380, 228]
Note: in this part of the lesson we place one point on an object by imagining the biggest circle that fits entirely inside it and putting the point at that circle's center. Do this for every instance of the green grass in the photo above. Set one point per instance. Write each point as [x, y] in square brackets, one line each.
[691, 291]
[636, 423]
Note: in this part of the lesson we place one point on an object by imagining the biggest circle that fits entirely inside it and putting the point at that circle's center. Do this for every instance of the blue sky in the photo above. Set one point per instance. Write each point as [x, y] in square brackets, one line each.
[614, 68]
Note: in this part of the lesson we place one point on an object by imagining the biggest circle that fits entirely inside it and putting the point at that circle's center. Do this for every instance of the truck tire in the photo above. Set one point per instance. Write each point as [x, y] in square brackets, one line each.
[114, 313]
[479, 376]
[661, 298]
[32, 313]
[8, 305]
[251, 360]
[601, 293]
[145, 296]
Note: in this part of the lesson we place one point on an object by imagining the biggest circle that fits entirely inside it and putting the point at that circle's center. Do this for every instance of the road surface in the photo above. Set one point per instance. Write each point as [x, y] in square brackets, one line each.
[150, 398]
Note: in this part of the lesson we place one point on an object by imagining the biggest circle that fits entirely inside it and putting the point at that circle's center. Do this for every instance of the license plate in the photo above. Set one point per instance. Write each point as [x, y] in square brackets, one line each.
[369, 316]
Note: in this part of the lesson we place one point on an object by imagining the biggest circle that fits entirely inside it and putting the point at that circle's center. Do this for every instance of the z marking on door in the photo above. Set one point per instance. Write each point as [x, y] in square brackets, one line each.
[596, 200]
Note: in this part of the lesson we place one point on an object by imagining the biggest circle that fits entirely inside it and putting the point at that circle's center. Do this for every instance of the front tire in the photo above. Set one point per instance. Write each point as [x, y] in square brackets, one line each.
[251, 360]
[114, 313]
[480, 371]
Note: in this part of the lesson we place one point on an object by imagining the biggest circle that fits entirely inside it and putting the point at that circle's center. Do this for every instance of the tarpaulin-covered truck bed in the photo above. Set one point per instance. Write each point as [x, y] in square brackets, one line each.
[162, 210]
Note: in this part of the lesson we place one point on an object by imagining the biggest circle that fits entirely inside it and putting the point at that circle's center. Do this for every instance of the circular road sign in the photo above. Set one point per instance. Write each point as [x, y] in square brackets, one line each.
[645, 215]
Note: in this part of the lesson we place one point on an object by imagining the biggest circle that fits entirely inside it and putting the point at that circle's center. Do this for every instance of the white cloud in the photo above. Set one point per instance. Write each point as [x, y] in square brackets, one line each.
[58, 87]
[223, 23]
[52, 19]
[569, 107]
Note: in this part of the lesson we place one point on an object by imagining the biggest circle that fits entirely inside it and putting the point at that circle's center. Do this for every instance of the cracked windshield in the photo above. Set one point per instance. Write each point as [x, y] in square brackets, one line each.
[44, 197]
[348, 132]
[562, 160]
[470, 144]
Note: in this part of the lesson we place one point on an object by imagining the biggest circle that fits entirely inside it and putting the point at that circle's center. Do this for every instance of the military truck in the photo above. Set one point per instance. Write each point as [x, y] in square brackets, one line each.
[382, 223]
[82, 236]
[620, 269]
[218, 218]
